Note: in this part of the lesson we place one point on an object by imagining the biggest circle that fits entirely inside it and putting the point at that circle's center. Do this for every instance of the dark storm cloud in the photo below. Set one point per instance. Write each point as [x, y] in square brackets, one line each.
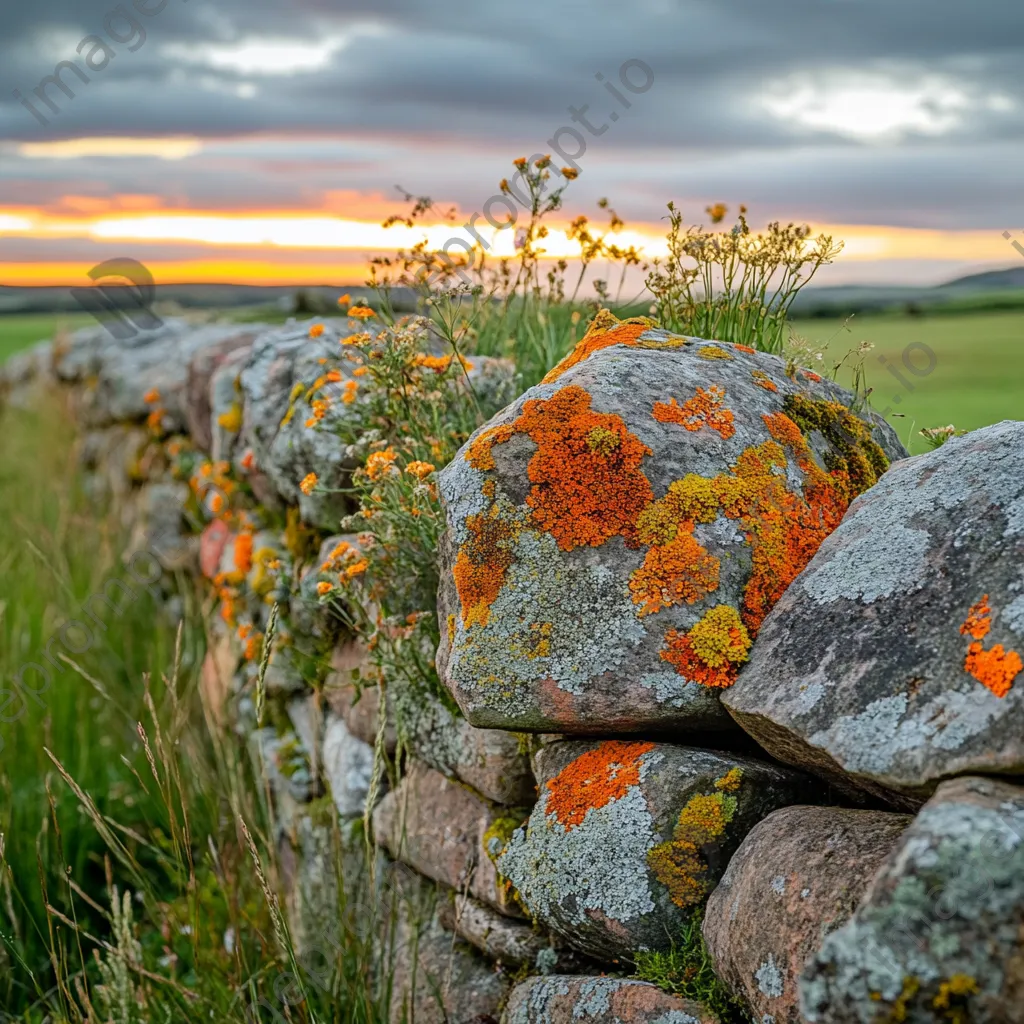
[467, 85]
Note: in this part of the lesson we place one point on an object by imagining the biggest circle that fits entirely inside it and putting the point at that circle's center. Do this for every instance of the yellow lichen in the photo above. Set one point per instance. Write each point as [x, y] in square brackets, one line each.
[712, 651]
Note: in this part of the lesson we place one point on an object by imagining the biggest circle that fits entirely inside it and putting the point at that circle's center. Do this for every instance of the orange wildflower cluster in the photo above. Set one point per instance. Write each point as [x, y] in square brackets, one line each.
[595, 779]
[995, 668]
[361, 312]
[482, 563]
[308, 484]
[703, 410]
[678, 863]
[381, 463]
[243, 552]
[316, 330]
[439, 364]
[420, 470]
[151, 397]
[605, 330]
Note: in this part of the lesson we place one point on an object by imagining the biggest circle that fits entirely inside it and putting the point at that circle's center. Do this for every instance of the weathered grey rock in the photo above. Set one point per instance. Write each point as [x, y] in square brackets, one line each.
[797, 876]
[864, 671]
[159, 527]
[358, 706]
[284, 762]
[118, 373]
[940, 933]
[446, 832]
[569, 999]
[510, 943]
[439, 980]
[200, 417]
[628, 838]
[225, 402]
[348, 768]
[282, 366]
[617, 534]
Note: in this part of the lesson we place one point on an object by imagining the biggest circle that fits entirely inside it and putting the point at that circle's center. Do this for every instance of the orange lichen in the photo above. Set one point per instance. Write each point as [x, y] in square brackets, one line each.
[703, 410]
[743, 348]
[482, 563]
[810, 375]
[586, 476]
[979, 620]
[604, 331]
[712, 651]
[678, 572]
[595, 779]
[995, 668]
[479, 454]
[678, 863]
[762, 380]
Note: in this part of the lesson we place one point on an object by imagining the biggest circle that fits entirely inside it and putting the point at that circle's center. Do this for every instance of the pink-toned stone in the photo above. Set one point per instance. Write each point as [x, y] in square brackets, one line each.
[440, 828]
[797, 877]
[212, 543]
[562, 999]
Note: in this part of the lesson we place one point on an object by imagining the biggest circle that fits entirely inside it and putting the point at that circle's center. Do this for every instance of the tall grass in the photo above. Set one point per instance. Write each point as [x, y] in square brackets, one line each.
[138, 865]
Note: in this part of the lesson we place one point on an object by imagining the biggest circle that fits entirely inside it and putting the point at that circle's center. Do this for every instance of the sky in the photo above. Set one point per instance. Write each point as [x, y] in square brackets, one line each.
[261, 141]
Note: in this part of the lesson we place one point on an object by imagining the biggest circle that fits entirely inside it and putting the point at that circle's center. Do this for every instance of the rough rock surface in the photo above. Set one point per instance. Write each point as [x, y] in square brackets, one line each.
[509, 942]
[939, 936]
[617, 534]
[629, 838]
[199, 416]
[562, 999]
[895, 660]
[797, 876]
[446, 831]
[347, 766]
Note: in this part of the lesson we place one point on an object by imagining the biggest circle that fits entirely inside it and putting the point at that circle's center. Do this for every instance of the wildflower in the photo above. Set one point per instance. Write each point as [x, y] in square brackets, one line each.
[570, 173]
[248, 461]
[316, 330]
[541, 162]
[345, 300]
[216, 502]
[244, 630]
[357, 568]
[359, 371]
[349, 395]
[361, 312]
[151, 397]
[155, 419]
[436, 363]
[243, 552]
[334, 376]
[717, 212]
[324, 588]
[520, 162]
[380, 463]
[420, 470]
[309, 481]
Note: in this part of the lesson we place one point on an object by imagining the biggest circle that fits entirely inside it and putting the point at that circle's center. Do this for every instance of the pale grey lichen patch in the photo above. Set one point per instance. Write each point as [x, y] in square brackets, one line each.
[594, 997]
[1013, 615]
[882, 734]
[804, 893]
[461, 488]
[1015, 518]
[807, 696]
[583, 611]
[769, 978]
[861, 568]
[672, 689]
[675, 1017]
[595, 865]
[778, 884]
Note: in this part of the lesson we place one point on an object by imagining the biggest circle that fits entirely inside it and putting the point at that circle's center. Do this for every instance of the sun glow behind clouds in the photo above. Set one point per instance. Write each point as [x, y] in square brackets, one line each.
[877, 107]
[170, 148]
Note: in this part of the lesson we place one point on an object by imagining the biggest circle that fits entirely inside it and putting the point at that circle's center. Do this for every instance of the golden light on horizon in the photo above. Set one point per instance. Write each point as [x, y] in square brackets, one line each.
[253, 237]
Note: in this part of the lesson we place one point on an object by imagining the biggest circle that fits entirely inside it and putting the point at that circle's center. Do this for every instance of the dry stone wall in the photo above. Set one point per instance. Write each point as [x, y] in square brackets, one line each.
[710, 640]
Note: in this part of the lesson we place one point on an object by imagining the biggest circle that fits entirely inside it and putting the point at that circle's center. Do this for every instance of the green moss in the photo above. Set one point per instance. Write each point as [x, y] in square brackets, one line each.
[686, 971]
[852, 449]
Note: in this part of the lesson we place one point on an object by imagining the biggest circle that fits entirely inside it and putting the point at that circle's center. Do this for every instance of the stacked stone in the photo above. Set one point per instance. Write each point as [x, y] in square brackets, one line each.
[724, 656]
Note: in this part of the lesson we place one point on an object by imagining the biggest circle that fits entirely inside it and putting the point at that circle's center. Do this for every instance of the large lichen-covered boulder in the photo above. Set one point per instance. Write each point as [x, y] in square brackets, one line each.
[628, 838]
[617, 535]
[894, 661]
[567, 999]
[939, 936]
[797, 876]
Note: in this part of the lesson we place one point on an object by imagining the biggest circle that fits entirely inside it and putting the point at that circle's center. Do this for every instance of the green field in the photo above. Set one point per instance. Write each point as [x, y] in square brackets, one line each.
[18, 331]
[978, 375]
